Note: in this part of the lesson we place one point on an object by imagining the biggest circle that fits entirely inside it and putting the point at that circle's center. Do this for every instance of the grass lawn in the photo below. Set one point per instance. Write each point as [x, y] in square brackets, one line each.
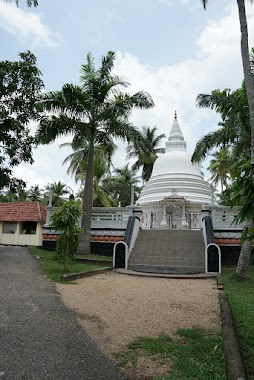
[54, 270]
[193, 354]
[240, 296]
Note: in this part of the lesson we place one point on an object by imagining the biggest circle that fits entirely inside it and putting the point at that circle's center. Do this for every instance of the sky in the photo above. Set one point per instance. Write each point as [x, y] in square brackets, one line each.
[172, 49]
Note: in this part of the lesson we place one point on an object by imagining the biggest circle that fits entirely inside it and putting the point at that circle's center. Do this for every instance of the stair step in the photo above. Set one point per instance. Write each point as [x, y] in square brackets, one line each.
[168, 269]
[167, 251]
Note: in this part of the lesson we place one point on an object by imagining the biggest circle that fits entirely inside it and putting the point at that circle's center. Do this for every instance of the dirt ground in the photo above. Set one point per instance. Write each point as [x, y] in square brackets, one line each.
[116, 308]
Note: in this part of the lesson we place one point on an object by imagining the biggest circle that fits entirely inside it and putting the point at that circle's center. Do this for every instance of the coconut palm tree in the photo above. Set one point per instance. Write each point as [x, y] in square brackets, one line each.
[18, 194]
[121, 184]
[101, 171]
[34, 193]
[146, 150]
[245, 52]
[244, 259]
[220, 167]
[102, 161]
[248, 77]
[96, 111]
[78, 159]
[234, 130]
[59, 193]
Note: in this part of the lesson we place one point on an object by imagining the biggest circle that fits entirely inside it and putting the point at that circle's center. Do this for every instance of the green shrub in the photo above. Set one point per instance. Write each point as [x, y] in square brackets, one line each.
[66, 221]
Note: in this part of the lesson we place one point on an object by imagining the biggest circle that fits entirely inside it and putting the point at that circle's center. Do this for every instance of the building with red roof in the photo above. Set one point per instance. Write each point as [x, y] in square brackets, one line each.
[21, 223]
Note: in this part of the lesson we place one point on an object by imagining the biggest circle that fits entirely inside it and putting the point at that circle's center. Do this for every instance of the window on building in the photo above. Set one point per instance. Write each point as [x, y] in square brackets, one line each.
[28, 227]
[9, 227]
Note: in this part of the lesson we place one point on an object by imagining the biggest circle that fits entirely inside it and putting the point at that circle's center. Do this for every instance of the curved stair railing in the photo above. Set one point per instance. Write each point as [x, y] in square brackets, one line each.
[122, 250]
[212, 250]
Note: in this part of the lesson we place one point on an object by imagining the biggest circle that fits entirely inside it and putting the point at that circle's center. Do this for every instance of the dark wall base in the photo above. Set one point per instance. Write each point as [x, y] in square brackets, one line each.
[103, 249]
[229, 254]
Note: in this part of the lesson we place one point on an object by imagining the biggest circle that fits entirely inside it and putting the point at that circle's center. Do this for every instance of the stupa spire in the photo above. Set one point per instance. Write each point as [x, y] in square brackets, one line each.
[176, 140]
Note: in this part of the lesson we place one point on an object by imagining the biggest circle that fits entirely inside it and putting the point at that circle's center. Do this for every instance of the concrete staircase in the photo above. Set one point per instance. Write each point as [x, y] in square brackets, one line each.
[168, 251]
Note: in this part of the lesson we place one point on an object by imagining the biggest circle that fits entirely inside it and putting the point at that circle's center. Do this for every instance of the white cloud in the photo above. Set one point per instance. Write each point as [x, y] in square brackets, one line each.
[166, 2]
[47, 167]
[26, 26]
[114, 17]
[171, 2]
[175, 87]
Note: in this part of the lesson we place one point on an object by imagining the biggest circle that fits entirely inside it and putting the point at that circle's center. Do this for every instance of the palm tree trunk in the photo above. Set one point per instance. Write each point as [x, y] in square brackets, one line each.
[244, 258]
[247, 68]
[244, 261]
[84, 241]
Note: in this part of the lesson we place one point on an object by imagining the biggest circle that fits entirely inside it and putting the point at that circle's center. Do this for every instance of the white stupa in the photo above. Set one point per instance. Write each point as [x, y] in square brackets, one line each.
[176, 190]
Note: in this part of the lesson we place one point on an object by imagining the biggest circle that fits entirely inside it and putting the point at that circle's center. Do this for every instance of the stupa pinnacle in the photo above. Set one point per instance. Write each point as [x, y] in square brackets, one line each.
[176, 139]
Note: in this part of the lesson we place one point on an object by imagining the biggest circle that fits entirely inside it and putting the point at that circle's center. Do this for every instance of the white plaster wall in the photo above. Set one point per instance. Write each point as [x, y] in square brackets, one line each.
[21, 239]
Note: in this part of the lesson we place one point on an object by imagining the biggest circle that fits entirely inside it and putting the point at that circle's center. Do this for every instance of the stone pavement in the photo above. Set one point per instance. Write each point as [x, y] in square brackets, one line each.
[39, 337]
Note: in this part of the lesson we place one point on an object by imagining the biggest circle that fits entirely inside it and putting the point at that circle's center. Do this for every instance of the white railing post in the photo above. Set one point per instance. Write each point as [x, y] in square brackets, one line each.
[126, 254]
[206, 256]
[204, 230]
[134, 235]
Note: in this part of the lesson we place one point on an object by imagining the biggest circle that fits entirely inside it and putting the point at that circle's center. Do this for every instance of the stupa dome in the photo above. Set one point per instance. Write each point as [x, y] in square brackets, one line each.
[175, 162]
[174, 175]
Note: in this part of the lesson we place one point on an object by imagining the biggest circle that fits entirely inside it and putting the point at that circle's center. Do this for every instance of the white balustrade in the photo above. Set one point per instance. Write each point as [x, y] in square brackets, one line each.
[223, 217]
[103, 217]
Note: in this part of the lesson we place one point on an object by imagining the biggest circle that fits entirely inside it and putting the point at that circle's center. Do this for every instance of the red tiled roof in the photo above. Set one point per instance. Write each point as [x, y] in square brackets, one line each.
[22, 212]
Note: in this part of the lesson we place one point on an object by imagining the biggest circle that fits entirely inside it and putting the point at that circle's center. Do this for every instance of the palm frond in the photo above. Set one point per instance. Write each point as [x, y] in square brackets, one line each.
[204, 3]
[107, 64]
[88, 69]
[207, 143]
[142, 100]
[51, 127]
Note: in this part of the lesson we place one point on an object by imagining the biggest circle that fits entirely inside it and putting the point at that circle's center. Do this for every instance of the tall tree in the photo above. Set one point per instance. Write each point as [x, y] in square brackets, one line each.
[243, 195]
[234, 129]
[96, 111]
[59, 193]
[220, 167]
[234, 132]
[78, 159]
[35, 194]
[20, 88]
[102, 161]
[245, 52]
[249, 83]
[248, 77]
[121, 185]
[146, 150]
[17, 194]
[101, 171]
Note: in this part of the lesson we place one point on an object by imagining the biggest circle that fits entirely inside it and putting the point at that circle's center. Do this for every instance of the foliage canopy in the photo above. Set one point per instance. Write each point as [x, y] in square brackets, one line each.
[20, 88]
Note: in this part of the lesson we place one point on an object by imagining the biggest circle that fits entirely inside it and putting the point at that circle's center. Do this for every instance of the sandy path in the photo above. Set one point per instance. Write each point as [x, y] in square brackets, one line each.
[115, 308]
